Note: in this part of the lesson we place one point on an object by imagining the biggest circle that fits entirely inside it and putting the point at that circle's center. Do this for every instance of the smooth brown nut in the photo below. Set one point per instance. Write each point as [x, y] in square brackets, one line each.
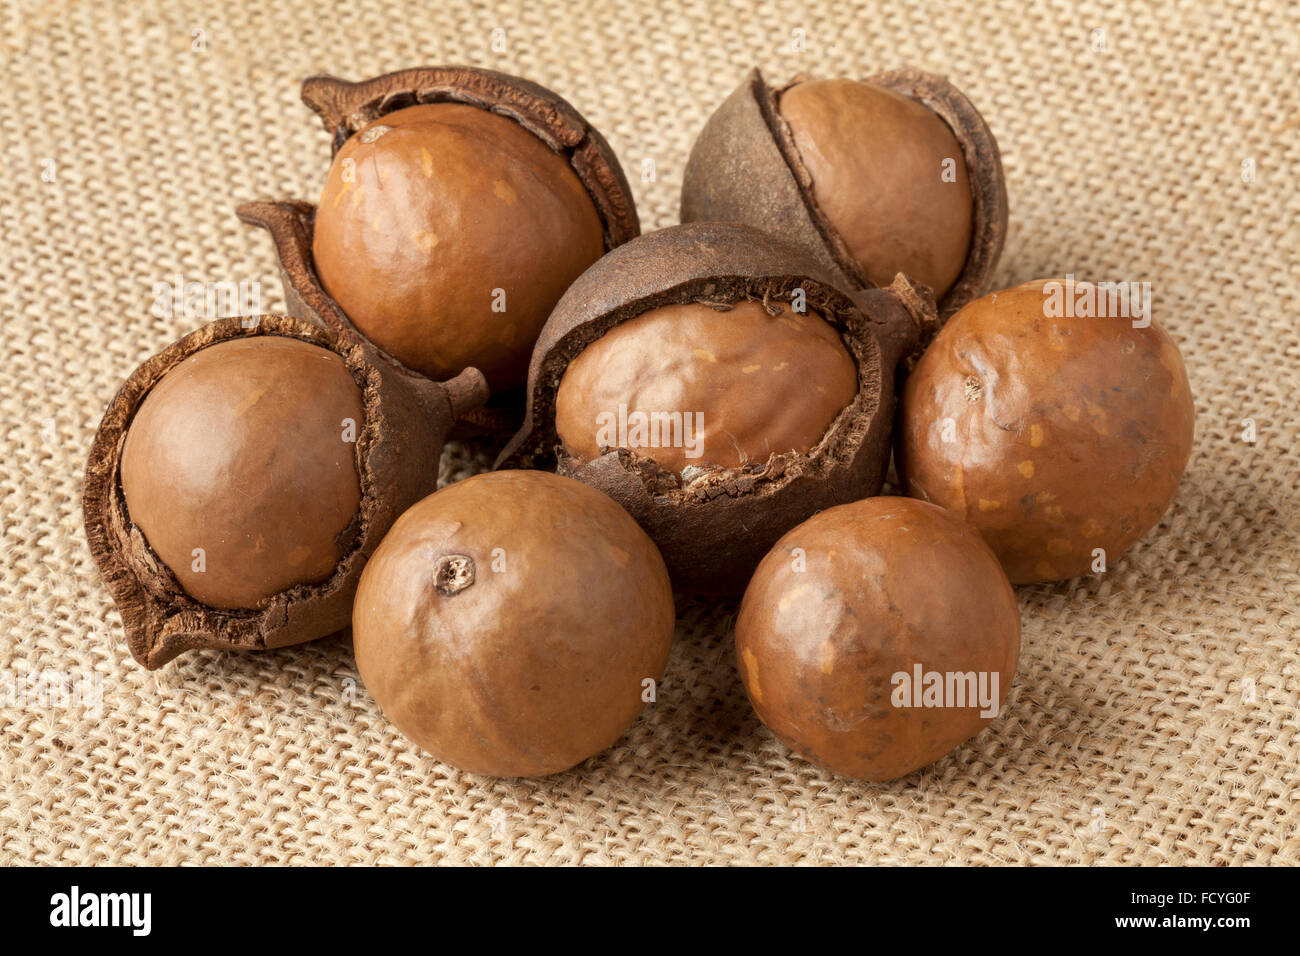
[849, 608]
[225, 441]
[241, 487]
[713, 522]
[888, 174]
[447, 233]
[508, 624]
[1061, 438]
[856, 172]
[691, 384]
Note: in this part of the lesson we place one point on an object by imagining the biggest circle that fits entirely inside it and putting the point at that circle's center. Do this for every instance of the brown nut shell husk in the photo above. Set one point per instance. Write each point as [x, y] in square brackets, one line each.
[713, 525]
[744, 167]
[1068, 434]
[407, 418]
[345, 107]
[853, 597]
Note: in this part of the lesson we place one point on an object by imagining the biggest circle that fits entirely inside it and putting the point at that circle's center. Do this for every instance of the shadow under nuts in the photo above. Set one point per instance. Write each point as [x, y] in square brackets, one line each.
[1053, 418]
[514, 624]
[446, 232]
[877, 636]
[897, 173]
[240, 478]
[713, 381]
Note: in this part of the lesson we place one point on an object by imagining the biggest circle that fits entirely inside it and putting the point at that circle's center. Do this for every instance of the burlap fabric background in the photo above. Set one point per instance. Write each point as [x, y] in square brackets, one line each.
[1154, 717]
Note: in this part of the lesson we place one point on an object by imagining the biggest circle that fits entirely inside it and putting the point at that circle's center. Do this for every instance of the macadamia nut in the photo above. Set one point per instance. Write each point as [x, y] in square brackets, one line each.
[242, 488]
[690, 384]
[446, 233]
[512, 623]
[877, 636]
[1055, 422]
[889, 175]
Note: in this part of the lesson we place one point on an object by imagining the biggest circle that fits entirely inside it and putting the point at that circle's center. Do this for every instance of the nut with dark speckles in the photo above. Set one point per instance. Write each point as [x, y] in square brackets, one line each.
[1056, 436]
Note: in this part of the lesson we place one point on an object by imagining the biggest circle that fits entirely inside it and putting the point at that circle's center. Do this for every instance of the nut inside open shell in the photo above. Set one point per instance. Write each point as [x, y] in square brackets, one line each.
[745, 167]
[345, 107]
[713, 524]
[290, 224]
[406, 420]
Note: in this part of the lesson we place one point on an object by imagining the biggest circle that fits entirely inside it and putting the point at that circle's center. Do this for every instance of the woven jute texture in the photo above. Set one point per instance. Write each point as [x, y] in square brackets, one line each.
[1154, 716]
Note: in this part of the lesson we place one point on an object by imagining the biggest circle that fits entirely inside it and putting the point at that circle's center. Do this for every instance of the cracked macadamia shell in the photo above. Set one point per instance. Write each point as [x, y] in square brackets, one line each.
[508, 624]
[459, 331]
[688, 384]
[241, 488]
[894, 173]
[713, 522]
[889, 176]
[447, 233]
[853, 598]
[241, 477]
[1056, 436]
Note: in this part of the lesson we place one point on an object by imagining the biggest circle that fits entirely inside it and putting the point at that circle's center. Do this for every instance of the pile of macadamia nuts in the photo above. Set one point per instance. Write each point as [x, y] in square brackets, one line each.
[708, 409]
